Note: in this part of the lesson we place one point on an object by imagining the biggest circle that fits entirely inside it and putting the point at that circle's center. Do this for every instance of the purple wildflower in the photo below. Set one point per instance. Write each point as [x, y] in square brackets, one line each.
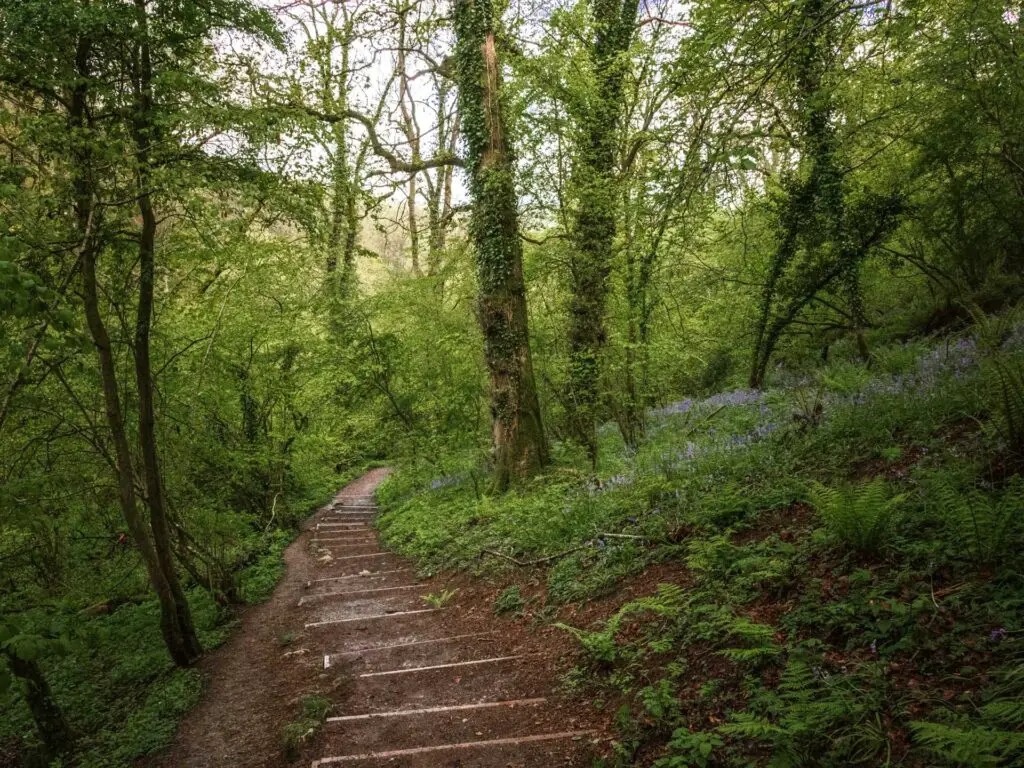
[444, 482]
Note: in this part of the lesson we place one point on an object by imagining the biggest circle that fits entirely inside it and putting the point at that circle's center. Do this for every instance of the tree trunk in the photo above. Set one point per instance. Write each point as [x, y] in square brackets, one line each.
[412, 135]
[341, 237]
[339, 196]
[517, 429]
[631, 411]
[53, 729]
[180, 647]
[85, 210]
[594, 179]
[435, 235]
[449, 172]
[143, 128]
[414, 232]
[819, 195]
[440, 202]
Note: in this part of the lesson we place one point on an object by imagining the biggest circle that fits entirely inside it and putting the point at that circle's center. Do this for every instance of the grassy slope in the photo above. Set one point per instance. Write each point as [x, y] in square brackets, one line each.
[803, 626]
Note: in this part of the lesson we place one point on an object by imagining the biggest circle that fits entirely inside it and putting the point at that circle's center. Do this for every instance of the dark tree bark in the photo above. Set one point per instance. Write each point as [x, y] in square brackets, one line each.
[144, 128]
[53, 728]
[594, 180]
[518, 434]
[85, 210]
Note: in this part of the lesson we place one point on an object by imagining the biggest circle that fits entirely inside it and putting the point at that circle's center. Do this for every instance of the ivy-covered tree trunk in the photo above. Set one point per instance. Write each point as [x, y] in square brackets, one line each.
[341, 235]
[519, 445]
[341, 238]
[811, 215]
[143, 129]
[594, 180]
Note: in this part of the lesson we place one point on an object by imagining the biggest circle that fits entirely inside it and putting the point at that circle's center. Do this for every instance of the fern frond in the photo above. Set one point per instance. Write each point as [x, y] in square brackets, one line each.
[859, 516]
[1006, 713]
[975, 747]
[749, 726]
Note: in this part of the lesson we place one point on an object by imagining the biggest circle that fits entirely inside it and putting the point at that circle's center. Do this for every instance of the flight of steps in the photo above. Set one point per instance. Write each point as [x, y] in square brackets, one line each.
[419, 688]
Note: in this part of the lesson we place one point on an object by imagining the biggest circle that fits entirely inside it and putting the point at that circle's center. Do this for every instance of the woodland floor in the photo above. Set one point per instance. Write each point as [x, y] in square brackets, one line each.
[408, 684]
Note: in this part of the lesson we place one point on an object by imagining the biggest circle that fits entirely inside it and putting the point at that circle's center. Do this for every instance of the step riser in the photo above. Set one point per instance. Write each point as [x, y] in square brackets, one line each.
[432, 728]
[422, 655]
[372, 631]
[544, 755]
[371, 559]
[338, 610]
[341, 548]
[402, 576]
[353, 594]
[446, 687]
[355, 566]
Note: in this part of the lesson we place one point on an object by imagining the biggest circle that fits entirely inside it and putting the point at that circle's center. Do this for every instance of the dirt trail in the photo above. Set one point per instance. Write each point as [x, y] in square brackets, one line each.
[411, 684]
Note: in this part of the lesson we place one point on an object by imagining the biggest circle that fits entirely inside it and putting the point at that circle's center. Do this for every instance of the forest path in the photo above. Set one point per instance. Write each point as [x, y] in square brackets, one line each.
[411, 685]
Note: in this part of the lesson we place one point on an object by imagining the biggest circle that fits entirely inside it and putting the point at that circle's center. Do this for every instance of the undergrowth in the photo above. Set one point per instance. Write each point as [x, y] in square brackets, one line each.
[114, 678]
[843, 554]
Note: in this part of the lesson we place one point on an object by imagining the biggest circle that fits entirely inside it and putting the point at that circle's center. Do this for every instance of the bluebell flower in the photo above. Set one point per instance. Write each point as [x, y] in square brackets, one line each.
[444, 482]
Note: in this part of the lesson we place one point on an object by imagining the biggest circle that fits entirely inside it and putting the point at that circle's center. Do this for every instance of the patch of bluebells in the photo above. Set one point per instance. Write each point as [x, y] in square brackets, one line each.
[954, 360]
[717, 441]
[683, 406]
[951, 360]
[736, 397]
[443, 482]
[932, 368]
[714, 439]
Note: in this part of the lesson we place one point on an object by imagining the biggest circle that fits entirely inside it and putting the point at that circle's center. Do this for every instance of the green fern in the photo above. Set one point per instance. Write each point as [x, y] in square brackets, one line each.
[994, 737]
[1005, 713]
[815, 719]
[861, 517]
[759, 640]
[601, 645]
[749, 726]
[971, 746]
[1003, 374]
[981, 525]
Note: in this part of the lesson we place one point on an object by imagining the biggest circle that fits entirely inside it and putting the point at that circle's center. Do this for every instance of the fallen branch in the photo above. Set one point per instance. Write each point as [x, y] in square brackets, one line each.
[538, 561]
